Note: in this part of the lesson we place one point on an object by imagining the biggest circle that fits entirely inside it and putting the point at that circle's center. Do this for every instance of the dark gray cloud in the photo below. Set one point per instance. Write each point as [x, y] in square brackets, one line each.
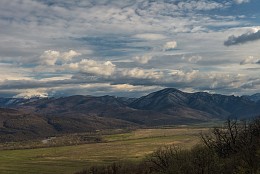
[252, 84]
[114, 45]
[244, 38]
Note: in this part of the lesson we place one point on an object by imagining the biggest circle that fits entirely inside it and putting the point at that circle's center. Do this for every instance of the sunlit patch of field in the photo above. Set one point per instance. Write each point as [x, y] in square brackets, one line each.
[118, 147]
[153, 133]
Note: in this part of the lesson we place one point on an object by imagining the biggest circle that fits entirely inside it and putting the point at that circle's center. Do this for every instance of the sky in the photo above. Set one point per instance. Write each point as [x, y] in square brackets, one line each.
[128, 47]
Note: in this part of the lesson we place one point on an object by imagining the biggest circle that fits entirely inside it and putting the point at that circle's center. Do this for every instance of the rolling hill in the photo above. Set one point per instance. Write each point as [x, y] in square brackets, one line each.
[17, 125]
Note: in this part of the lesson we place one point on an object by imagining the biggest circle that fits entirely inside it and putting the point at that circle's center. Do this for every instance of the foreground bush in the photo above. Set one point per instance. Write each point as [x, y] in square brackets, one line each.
[237, 144]
[119, 168]
[168, 160]
[171, 159]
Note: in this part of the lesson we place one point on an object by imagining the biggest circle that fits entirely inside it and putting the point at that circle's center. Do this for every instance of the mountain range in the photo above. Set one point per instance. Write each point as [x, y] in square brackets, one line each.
[24, 118]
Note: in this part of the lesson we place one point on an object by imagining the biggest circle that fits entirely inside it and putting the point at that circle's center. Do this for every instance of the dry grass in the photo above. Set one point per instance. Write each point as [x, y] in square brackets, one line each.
[127, 146]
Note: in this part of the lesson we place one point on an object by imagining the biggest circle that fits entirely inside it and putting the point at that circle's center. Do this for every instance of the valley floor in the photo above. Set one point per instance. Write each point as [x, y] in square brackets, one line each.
[131, 146]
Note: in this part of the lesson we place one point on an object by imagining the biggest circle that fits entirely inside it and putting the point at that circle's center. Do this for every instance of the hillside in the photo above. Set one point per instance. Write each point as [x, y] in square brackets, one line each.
[16, 125]
[104, 106]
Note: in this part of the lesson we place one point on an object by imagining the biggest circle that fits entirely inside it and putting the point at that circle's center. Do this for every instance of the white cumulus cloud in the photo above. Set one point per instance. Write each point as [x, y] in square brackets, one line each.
[181, 75]
[142, 59]
[50, 57]
[142, 74]
[241, 1]
[94, 67]
[69, 55]
[192, 59]
[169, 45]
[249, 60]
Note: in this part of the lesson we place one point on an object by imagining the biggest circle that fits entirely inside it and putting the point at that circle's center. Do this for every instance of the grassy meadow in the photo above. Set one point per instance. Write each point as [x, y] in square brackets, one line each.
[131, 146]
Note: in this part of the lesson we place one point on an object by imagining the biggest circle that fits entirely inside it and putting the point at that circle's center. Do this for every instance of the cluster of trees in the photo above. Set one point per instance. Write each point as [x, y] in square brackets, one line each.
[233, 149]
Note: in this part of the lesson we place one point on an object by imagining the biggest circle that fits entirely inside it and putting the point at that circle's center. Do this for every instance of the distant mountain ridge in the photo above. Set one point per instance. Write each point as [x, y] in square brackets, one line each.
[254, 97]
[169, 101]
[81, 113]
[172, 101]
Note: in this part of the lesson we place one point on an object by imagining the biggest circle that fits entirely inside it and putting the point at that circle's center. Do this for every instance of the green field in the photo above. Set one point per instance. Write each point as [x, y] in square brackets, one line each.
[117, 147]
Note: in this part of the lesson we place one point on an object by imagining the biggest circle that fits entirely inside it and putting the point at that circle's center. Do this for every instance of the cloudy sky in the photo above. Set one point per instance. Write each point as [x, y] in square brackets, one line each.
[128, 47]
